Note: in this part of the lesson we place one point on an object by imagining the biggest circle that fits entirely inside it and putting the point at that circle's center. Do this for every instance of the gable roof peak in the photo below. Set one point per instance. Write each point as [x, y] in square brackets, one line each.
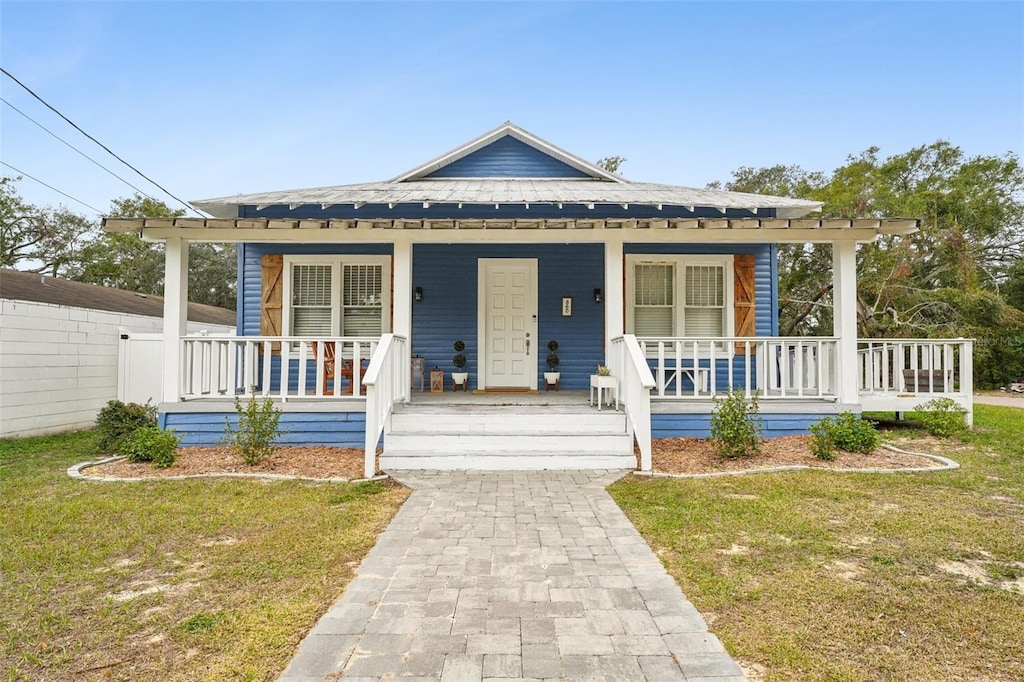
[510, 129]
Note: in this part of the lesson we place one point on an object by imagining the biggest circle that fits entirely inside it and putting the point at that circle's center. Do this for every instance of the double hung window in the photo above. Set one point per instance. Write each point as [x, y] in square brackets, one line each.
[679, 296]
[337, 295]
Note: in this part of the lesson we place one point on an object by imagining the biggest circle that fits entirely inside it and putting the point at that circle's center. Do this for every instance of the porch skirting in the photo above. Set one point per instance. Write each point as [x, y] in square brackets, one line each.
[317, 424]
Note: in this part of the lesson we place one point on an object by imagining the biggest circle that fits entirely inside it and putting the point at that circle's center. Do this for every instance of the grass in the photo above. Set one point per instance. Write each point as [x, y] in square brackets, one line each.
[819, 576]
[171, 580]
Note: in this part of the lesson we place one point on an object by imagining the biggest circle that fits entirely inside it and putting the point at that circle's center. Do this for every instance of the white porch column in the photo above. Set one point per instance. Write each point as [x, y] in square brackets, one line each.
[175, 314]
[844, 318]
[614, 296]
[402, 324]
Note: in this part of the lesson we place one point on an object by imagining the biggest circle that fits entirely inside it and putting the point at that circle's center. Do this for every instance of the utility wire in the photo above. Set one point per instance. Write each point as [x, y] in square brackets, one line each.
[105, 147]
[21, 172]
[140, 191]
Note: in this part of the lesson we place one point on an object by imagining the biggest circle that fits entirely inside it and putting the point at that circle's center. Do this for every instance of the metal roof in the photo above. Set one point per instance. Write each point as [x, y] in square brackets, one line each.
[509, 191]
[601, 187]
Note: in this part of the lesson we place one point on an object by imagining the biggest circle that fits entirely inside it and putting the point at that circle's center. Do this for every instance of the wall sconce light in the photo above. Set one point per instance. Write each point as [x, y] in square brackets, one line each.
[417, 294]
[598, 296]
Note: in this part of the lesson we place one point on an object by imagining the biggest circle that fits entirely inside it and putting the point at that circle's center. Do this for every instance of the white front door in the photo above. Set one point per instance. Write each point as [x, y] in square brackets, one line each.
[508, 323]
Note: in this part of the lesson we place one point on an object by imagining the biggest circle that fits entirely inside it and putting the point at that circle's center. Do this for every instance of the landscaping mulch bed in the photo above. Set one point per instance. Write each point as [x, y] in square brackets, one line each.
[698, 456]
[305, 461]
[670, 456]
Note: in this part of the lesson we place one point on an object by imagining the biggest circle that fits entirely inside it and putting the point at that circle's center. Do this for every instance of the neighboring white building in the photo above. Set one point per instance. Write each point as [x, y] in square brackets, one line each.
[59, 347]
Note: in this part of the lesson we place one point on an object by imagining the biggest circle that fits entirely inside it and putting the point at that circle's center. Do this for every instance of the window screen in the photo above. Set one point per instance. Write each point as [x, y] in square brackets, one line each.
[704, 307]
[362, 300]
[654, 302]
[311, 300]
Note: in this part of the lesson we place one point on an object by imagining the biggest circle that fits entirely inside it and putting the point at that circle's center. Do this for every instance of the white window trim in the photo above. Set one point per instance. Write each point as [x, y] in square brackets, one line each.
[336, 261]
[680, 261]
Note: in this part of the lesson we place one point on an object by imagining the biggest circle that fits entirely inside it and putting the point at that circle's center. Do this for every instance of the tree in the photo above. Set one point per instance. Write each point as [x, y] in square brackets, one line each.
[611, 163]
[943, 280]
[125, 261]
[39, 239]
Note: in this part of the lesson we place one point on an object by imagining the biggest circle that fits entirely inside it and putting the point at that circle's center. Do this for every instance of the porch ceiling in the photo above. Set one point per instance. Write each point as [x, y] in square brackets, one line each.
[749, 230]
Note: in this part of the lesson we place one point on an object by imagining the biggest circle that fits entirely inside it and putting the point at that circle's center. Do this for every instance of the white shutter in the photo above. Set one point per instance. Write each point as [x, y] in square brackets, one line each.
[654, 299]
[704, 304]
[362, 300]
[311, 300]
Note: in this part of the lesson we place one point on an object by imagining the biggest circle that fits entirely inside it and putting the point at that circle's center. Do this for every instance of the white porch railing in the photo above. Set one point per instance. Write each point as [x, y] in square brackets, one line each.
[387, 382]
[771, 367]
[627, 363]
[915, 365]
[272, 366]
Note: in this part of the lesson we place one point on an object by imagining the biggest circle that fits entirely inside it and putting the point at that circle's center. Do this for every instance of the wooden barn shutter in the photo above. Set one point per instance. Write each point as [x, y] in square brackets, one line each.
[745, 308]
[271, 295]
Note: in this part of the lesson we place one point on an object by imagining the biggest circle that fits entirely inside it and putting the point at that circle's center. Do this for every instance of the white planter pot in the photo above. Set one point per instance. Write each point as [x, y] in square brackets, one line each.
[552, 377]
[460, 378]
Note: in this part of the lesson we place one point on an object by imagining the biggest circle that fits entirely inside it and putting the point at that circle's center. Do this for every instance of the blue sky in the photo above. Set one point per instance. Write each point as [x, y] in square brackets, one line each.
[212, 99]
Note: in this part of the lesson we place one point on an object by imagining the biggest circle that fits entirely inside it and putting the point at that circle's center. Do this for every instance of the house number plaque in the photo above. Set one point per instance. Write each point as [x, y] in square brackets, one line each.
[567, 306]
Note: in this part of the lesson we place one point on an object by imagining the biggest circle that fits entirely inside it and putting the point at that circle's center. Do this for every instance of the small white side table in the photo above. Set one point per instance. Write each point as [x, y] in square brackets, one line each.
[606, 387]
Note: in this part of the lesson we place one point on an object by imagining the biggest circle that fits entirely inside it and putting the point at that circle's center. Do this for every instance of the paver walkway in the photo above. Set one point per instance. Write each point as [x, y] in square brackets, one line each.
[511, 575]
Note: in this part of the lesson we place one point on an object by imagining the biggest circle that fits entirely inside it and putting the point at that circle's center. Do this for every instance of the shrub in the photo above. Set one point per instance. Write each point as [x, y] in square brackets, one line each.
[846, 432]
[735, 428]
[942, 417]
[150, 444]
[118, 420]
[822, 445]
[257, 432]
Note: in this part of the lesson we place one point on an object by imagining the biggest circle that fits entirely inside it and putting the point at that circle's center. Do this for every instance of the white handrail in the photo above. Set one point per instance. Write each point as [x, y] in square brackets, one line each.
[387, 382]
[773, 367]
[222, 366]
[628, 364]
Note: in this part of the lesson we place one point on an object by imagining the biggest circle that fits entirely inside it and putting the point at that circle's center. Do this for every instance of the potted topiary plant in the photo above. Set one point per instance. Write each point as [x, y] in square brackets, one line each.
[552, 377]
[459, 377]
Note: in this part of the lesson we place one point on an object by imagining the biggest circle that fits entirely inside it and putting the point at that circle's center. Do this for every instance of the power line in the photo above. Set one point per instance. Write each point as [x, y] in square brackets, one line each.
[105, 147]
[140, 191]
[21, 172]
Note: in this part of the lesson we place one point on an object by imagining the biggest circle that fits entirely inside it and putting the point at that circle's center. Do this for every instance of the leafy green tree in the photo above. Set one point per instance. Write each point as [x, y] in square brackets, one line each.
[39, 239]
[943, 280]
[611, 163]
[125, 261]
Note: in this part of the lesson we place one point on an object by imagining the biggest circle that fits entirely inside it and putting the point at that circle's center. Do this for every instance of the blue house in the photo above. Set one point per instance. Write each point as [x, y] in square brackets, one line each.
[350, 296]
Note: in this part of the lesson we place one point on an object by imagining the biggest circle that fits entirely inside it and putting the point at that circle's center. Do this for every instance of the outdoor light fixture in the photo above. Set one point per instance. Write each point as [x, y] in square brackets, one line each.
[417, 294]
[598, 297]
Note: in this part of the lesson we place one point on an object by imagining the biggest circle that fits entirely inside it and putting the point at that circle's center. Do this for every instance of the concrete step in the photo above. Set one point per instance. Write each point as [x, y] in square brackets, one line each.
[506, 461]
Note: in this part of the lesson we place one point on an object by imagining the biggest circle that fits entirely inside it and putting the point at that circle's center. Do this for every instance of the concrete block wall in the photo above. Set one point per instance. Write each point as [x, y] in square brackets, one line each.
[58, 364]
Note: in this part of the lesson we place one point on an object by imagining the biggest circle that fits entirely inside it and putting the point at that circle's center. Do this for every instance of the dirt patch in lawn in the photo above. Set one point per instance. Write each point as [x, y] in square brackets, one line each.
[306, 461]
[699, 456]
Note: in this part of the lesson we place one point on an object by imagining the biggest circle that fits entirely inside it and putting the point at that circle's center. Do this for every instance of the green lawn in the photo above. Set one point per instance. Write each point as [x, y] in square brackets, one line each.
[823, 576]
[179, 580]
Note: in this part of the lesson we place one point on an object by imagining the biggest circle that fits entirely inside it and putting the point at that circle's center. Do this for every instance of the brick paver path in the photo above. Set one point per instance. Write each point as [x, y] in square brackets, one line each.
[533, 575]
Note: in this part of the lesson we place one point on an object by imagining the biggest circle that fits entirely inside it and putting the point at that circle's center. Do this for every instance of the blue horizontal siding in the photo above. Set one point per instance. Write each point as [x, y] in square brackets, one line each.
[699, 425]
[338, 429]
[765, 289]
[448, 275]
[508, 157]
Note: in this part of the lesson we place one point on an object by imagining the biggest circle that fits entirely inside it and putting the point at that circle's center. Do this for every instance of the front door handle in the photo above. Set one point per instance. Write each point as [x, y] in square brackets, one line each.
[527, 343]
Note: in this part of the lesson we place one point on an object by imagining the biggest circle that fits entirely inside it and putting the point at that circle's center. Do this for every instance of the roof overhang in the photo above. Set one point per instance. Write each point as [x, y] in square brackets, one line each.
[682, 230]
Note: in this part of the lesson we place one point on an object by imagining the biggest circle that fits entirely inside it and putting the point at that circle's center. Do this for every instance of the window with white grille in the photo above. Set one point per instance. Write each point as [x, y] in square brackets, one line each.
[679, 296]
[362, 302]
[311, 300]
[337, 295]
[654, 299]
[704, 303]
